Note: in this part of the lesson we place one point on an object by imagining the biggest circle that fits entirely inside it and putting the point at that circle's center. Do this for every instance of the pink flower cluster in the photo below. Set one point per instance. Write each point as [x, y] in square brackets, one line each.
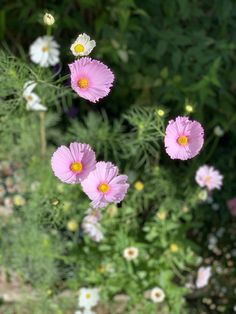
[99, 180]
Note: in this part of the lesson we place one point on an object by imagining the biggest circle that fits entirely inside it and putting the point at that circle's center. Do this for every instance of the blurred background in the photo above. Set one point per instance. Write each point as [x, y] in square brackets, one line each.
[170, 58]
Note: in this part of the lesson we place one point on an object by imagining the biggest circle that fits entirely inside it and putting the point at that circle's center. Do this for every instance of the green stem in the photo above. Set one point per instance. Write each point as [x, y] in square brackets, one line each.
[43, 141]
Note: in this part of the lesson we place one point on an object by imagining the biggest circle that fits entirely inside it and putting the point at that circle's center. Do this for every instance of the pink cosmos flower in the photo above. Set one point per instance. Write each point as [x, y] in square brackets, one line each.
[91, 225]
[232, 206]
[183, 138]
[73, 164]
[104, 185]
[91, 79]
[203, 276]
[209, 177]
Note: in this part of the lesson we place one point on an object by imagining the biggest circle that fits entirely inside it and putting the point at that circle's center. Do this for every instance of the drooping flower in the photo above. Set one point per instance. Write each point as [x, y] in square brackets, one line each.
[157, 295]
[91, 79]
[82, 45]
[33, 101]
[44, 51]
[88, 297]
[91, 225]
[231, 204]
[130, 253]
[73, 164]
[203, 276]
[209, 177]
[104, 185]
[183, 138]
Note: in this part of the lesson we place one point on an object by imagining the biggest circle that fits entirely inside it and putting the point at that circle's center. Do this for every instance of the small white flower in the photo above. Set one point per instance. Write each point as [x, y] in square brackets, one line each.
[48, 19]
[157, 295]
[44, 51]
[88, 298]
[130, 253]
[203, 276]
[32, 99]
[218, 131]
[82, 46]
[91, 226]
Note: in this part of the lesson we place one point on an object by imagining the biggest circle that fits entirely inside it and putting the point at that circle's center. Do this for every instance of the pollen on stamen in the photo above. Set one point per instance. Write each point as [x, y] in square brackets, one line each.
[103, 187]
[182, 140]
[45, 49]
[76, 167]
[83, 82]
[79, 48]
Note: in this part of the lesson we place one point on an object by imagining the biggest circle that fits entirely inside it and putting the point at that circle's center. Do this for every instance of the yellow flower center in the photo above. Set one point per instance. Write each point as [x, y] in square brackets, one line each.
[79, 48]
[88, 295]
[103, 187]
[29, 98]
[45, 49]
[76, 166]
[207, 179]
[182, 140]
[157, 294]
[83, 82]
[130, 252]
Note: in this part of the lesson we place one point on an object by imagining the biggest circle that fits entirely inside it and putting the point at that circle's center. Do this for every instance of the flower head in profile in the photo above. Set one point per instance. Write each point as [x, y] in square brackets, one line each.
[74, 163]
[203, 276]
[82, 46]
[157, 295]
[231, 204]
[88, 297]
[33, 101]
[130, 253]
[44, 51]
[91, 225]
[104, 185]
[183, 138]
[91, 79]
[209, 177]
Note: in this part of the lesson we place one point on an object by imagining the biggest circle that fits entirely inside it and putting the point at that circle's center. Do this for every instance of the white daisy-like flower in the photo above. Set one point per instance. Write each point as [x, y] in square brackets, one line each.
[157, 295]
[130, 253]
[44, 51]
[88, 297]
[32, 99]
[82, 46]
[203, 276]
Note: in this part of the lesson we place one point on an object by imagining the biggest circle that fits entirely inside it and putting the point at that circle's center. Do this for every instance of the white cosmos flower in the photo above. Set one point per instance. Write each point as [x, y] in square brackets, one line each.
[88, 298]
[82, 46]
[91, 225]
[44, 51]
[203, 276]
[130, 253]
[32, 99]
[157, 295]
